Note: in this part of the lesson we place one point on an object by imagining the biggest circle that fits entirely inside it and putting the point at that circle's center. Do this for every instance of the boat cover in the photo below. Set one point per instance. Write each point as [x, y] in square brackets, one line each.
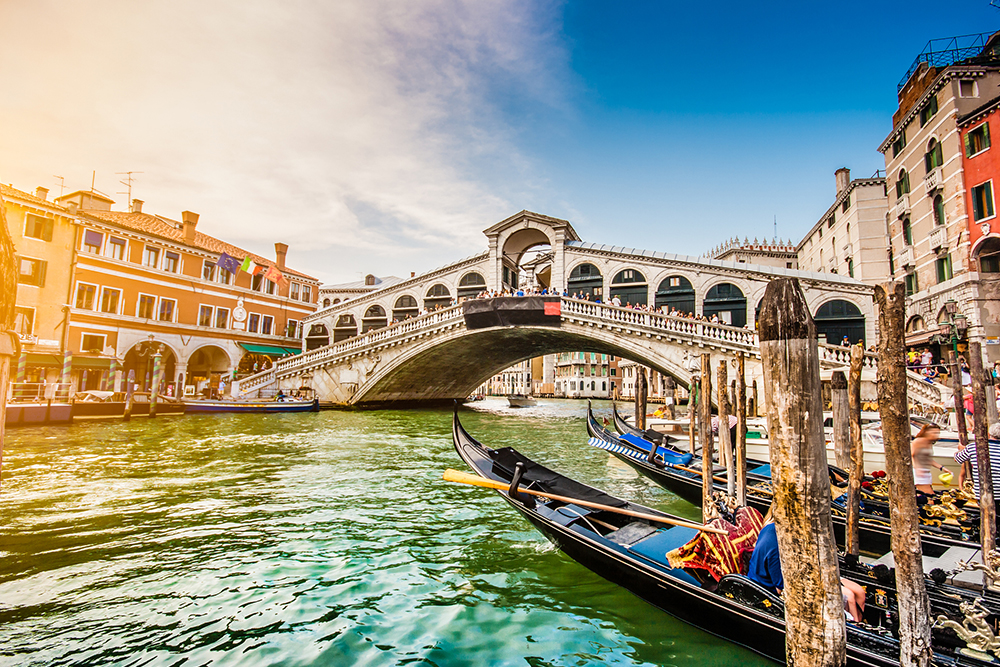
[669, 456]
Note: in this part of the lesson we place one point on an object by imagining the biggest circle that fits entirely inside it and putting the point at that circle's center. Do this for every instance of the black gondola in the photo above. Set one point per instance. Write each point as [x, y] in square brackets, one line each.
[631, 553]
[874, 528]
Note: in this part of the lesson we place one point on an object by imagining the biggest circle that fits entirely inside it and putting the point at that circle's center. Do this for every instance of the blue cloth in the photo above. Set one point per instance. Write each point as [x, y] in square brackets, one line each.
[765, 563]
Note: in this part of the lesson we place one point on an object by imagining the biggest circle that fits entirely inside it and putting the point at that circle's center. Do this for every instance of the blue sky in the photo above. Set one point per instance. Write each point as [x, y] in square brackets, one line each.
[382, 137]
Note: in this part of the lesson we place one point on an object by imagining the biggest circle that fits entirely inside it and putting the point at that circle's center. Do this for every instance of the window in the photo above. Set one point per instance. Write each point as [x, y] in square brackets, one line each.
[171, 261]
[899, 144]
[968, 88]
[982, 201]
[929, 110]
[846, 205]
[221, 318]
[24, 321]
[146, 306]
[253, 324]
[939, 210]
[932, 158]
[208, 270]
[911, 284]
[256, 281]
[850, 267]
[168, 308]
[116, 248]
[31, 271]
[92, 342]
[205, 316]
[977, 140]
[37, 227]
[307, 293]
[907, 232]
[225, 276]
[293, 291]
[92, 241]
[292, 330]
[266, 322]
[269, 286]
[151, 256]
[902, 183]
[829, 221]
[944, 268]
[110, 299]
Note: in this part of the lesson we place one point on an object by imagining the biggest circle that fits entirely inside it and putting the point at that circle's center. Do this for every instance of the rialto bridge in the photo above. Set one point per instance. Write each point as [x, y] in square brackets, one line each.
[409, 342]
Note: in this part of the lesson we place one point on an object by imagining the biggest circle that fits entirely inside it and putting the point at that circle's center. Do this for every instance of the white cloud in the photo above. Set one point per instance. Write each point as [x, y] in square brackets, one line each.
[369, 132]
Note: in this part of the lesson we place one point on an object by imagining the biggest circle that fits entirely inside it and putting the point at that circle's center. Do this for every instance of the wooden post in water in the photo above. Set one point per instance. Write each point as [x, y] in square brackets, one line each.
[841, 420]
[987, 510]
[670, 397]
[914, 607]
[815, 631]
[129, 388]
[10, 344]
[725, 441]
[852, 542]
[705, 436]
[693, 391]
[640, 398]
[958, 395]
[756, 404]
[741, 431]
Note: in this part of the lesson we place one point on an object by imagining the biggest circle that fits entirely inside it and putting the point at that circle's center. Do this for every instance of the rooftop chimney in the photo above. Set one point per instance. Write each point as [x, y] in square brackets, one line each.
[843, 179]
[41, 192]
[413, 274]
[190, 221]
[72, 206]
[280, 250]
[137, 207]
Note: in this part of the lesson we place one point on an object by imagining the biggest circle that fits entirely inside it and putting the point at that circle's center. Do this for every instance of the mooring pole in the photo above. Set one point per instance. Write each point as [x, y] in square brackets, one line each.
[10, 344]
[129, 389]
[725, 442]
[814, 607]
[756, 404]
[741, 431]
[914, 607]
[852, 541]
[958, 396]
[670, 397]
[705, 436]
[693, 391]
[980, 422]
[640, 398]
[841, 420]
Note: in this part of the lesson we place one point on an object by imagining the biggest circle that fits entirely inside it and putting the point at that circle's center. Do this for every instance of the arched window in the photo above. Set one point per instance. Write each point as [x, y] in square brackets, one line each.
[916, 323]
[586, 279]
[471, 285]
[406, 306]
[932, 158]
[838, 319]
[374, 319]
[728, 302]
[437, 296]
[336, 301]
[907, 232]
[346, 328]
[902, 183]
[988, 255]
[939, 210]
[326, 303]
[629, 285]
[318, 336]
[675, 292]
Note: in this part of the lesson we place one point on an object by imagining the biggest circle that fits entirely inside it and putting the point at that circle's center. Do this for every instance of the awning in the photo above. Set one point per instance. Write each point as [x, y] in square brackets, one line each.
[91, 362]
[44, 359]
[919, 338]
[270, 350]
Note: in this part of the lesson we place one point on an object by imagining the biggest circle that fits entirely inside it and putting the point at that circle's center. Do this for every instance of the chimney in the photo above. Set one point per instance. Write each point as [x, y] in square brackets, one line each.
[72, 206]
[280, 250]
[137, 206]
[843, 179]
[190, 221]
[413, 274]
[41, 192]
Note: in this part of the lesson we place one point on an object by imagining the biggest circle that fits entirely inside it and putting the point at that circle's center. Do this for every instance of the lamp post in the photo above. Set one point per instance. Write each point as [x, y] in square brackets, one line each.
[951, 330]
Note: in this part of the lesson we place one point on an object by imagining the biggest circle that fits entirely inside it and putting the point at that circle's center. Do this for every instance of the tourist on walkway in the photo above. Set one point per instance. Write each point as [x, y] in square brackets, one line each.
[922, 451]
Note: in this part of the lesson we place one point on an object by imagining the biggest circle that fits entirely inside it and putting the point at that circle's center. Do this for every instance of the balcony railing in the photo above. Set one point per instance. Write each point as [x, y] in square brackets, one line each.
[906, 258]
[903, 205]
[933, 181]
[938, 238]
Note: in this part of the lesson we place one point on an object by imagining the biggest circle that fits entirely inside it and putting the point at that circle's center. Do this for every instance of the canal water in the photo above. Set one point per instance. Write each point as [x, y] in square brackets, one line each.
[317, 539]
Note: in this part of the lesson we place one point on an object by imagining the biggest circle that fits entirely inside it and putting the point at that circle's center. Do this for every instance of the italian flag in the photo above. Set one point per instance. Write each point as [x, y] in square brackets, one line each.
[247, 265]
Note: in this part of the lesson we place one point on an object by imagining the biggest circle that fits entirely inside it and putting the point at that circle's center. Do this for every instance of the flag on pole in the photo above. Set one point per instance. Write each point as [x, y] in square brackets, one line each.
[247, 264]
[257, 269]
[228, 262]
[273, 274]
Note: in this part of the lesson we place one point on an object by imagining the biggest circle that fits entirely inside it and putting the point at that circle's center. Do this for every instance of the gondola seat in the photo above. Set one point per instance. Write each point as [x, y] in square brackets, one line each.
[654, 548]
[747, 591]
[669, 456]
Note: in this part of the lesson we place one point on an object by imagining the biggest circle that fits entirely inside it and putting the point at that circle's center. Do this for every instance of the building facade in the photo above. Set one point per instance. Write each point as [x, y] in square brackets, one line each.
[582, 375]
[776, 253]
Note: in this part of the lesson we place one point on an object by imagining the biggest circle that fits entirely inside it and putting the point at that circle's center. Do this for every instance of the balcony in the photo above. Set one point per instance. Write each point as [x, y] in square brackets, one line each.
[847, 250]
[906, 256]
[934, 180]
[938, 238]
[903, 205]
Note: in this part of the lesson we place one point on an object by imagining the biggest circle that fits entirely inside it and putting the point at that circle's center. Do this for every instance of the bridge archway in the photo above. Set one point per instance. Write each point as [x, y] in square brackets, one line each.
[406, 307]
[838, 318]
[675, 292]
[317, 337]
[586, 280]
[629, 285]
[470, 285]
[728, 302]
[438, 296]
[374, 319]
[347, 327]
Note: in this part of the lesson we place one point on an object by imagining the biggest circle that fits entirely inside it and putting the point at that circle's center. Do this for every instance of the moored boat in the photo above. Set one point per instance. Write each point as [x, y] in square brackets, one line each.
[268, 406]
[521, 401]
[110, 405]
[35, 414]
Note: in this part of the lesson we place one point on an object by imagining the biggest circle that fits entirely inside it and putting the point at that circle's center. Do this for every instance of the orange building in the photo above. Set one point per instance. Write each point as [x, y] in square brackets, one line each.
[146, 285]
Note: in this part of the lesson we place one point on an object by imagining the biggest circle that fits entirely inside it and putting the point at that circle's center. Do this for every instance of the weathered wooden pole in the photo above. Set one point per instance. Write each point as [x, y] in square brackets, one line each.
[129, 389]
[693, 391]
[156, 384]
[958, 398]
[841, 420]
[741, 431]
[10, 344]
[852, 541]
[670, 397]
[914, 608]
[815, 631]
[725, 441]
[980, 423]
[705, 437]
[640, 398]
[756, 403]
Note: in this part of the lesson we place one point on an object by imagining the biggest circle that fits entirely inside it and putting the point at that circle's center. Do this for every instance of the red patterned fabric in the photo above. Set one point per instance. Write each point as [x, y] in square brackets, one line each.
[720, 554]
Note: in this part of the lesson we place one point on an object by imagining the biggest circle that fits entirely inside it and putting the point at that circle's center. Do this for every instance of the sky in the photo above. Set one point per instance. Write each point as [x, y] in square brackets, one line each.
[383, 137]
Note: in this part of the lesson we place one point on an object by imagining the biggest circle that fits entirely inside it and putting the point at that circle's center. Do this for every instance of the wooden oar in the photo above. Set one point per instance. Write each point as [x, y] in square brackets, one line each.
[475, 480]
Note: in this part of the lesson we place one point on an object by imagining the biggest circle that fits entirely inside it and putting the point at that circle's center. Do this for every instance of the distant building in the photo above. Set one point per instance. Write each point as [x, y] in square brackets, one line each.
[776, 253]
[582, 375]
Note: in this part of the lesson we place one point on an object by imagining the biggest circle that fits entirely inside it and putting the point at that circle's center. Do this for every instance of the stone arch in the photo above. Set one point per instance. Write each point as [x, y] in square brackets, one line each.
[986, 252]
[585, 279]
[839, 318]
[374, 318]
[438, 296]
[629, 285]
[140, 359]
[318, 336]
[675, 291]
[514, 243]
[208, 367]
[726, 300]
[346, 327]
[915, 324]
[470, 285]
[326, 302]
[405, 307]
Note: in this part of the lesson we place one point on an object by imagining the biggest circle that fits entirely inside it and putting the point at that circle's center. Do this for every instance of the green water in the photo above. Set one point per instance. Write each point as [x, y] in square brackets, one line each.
[317, 539]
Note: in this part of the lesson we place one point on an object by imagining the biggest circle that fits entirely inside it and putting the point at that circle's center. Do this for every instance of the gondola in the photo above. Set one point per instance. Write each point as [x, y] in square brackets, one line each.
[267, 406]
[631, 553]
[874, 528]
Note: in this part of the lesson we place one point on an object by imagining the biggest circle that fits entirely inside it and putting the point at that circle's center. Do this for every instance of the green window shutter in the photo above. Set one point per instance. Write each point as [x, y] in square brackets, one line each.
[968, 145]
[41, 273]
[47, 230]
[988, 197]
[986, 135]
